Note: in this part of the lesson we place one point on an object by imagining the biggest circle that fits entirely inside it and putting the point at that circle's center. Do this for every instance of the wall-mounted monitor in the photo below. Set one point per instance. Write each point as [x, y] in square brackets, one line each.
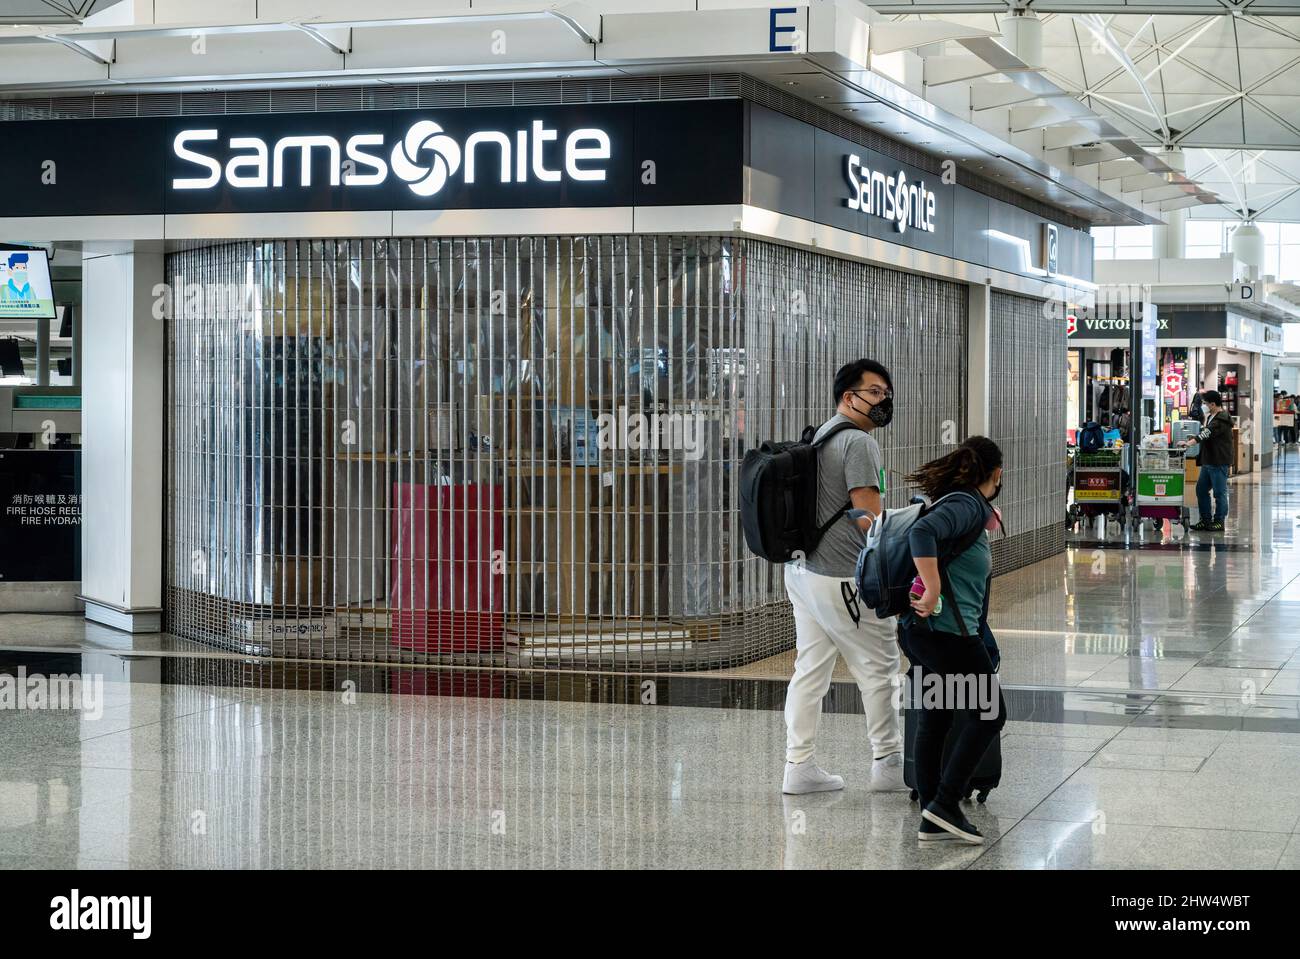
[25, 289]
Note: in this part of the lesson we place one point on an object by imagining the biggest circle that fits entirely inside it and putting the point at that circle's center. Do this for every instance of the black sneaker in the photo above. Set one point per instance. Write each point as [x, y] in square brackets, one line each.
[1202, 527]
[952, 820]
[1216, 528]
[929, 832]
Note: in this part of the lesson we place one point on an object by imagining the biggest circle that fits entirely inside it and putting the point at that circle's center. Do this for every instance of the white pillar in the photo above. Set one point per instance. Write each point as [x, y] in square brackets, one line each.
[1171, 239]
[122, 437]
[979, 299]
[1022, 34]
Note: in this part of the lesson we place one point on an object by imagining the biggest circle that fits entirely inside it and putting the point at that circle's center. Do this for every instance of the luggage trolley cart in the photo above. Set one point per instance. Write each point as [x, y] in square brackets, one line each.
[1096, 485]
[1160, 488]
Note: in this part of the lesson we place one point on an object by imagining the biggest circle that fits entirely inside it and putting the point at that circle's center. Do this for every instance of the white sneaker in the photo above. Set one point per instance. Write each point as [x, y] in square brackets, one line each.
[808, 777]
[887, 775]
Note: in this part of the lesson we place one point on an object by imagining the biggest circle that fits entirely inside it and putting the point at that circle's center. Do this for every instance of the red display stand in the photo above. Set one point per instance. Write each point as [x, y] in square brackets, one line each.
[447, 591]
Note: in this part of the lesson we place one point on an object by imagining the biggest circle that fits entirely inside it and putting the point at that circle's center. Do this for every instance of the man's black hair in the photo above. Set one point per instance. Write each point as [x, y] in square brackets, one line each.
[850, 375]
[1212, 396]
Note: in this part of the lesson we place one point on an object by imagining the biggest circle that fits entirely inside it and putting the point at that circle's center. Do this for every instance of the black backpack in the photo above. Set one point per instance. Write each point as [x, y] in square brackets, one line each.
[778, 497]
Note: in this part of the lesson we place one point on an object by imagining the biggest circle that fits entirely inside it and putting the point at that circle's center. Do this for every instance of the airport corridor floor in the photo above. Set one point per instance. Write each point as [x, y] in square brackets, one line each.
[1154, 696]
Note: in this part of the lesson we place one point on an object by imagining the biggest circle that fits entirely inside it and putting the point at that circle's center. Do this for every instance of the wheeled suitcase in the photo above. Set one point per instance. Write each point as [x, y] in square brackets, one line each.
[987, 774]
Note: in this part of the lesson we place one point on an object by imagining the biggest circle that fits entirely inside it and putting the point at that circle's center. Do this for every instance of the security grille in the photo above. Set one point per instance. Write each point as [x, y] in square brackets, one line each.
[1027, 412]
[513, 451]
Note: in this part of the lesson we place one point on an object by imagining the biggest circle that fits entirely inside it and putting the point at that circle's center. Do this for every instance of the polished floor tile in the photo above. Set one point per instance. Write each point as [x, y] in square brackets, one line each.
[1156, 724]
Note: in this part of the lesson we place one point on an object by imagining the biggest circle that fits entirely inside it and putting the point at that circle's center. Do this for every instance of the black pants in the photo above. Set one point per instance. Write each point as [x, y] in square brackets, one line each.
[943, 664]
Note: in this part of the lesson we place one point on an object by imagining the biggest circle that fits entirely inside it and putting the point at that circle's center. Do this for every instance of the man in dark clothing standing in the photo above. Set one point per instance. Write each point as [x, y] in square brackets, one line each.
[1215, 438]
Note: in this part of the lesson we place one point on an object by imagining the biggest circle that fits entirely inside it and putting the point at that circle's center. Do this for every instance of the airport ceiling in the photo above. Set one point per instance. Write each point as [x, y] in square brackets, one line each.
[51, 11]
[1218, 78]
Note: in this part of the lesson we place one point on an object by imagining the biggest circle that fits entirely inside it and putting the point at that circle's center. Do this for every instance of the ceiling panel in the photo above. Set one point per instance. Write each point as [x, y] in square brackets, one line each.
[51, 11]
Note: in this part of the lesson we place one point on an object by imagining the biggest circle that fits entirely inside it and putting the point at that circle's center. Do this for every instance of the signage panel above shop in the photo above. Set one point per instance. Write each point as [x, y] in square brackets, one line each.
[454, 159]
[711, 153]
[1207, 326]
[587, 155]
[867, 192]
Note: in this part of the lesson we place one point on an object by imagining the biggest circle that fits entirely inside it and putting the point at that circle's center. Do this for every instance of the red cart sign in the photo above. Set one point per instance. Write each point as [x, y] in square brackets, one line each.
[1096, 486]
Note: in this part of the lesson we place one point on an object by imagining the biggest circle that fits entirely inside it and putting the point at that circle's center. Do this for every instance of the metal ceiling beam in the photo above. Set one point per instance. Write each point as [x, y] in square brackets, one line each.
[1153, 47]
[1246, 95]
[333, 39]
[1176, 54]
[102, 52]
[1241, 207]
[1278, 201]
[1101, 30]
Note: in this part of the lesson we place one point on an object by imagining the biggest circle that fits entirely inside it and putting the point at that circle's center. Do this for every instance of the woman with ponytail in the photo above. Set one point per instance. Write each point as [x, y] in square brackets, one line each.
[945, 635]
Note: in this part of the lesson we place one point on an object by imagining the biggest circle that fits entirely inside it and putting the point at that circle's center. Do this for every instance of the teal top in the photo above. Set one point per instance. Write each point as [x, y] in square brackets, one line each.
[968, 577]
[953, 519]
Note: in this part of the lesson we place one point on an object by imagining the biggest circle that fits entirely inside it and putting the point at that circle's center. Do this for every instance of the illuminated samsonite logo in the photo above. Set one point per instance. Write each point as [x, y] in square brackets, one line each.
[875, 193]
[425, 158]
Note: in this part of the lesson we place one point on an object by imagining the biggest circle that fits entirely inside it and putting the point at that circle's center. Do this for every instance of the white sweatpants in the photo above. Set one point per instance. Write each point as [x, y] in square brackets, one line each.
[825, 631]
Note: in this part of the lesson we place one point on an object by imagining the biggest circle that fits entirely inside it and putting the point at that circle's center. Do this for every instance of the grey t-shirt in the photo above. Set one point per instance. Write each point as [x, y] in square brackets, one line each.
[848, 460]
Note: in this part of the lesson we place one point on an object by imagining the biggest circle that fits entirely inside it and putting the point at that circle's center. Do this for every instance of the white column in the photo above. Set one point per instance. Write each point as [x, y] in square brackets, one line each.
[979, 299]
[122, 437]
[1171, 239]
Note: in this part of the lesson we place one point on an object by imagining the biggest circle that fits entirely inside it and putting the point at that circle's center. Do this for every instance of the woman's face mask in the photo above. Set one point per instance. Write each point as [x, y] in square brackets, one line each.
[997, 489]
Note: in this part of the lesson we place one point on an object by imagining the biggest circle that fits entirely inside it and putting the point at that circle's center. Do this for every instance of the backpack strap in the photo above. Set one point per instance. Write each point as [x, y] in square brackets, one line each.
[837, 515]
[837, 428]
[816, 444]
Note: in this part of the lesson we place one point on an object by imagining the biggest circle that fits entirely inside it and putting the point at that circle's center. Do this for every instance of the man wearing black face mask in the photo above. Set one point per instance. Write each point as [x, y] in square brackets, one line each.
[828, 619]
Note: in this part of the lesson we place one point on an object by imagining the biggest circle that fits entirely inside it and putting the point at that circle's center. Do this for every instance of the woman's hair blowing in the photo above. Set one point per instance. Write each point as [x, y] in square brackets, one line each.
[966, 467]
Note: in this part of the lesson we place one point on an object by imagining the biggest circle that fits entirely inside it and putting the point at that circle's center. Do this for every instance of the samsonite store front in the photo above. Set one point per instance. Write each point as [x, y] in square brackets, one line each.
[473, 384]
